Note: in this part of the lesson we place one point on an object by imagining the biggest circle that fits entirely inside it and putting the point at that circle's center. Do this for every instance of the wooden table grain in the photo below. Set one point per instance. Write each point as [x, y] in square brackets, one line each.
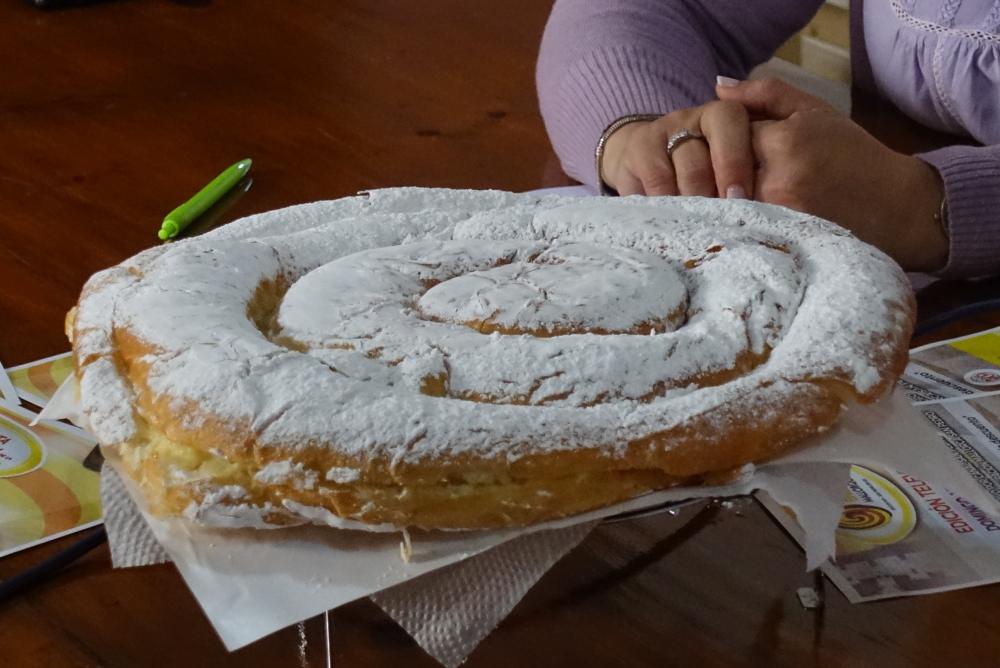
[111, 113]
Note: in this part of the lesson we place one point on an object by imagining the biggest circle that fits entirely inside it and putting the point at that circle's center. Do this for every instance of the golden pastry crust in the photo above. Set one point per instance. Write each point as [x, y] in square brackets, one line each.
[446, 408]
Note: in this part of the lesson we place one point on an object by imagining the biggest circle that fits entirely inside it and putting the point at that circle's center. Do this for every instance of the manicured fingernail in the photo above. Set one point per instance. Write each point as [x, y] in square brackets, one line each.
[726, 82]
[736, 192]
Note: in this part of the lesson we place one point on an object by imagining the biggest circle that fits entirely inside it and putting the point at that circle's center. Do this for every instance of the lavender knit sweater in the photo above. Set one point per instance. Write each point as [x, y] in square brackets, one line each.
[938, 61]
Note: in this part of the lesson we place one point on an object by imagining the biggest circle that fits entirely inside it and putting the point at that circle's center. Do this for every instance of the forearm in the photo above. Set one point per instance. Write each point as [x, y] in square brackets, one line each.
[600, 61]
[971, 177]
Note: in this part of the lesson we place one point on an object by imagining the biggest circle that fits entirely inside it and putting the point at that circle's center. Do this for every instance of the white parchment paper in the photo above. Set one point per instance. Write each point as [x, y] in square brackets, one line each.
[8, 393]
[252, 583]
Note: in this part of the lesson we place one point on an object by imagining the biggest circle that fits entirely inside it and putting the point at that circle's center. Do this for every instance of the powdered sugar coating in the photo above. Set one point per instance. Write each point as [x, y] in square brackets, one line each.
[376, 303]
[800, 293]
[566, 286]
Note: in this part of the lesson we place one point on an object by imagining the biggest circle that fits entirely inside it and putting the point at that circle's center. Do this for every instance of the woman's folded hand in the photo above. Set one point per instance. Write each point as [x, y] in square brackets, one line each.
[815, 159]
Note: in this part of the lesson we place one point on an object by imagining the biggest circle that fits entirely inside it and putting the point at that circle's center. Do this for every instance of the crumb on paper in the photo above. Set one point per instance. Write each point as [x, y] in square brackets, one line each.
[809, 598]
[736, 505]
[406, 547]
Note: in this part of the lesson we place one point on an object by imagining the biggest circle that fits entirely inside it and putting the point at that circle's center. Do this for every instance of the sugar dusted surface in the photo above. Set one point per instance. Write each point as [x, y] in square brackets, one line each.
[801, 294]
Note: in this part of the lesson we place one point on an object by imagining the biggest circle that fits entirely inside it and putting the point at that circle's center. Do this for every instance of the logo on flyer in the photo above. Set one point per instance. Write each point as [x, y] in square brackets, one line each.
[859, 516]
[983, 377]
[876, 513]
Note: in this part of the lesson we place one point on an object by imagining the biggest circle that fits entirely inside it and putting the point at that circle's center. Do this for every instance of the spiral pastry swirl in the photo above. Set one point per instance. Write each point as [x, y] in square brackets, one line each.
[465, 359]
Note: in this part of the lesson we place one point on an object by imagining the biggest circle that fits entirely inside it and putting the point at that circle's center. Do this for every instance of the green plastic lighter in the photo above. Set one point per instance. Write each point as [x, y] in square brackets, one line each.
[187, 212]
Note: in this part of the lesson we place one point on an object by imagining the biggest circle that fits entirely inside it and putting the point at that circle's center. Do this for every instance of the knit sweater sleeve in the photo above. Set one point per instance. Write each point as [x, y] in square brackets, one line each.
[601, 60]
[971, 176]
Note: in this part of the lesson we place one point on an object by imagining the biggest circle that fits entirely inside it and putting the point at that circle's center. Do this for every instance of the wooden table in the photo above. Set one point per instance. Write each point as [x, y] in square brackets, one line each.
[110, 114]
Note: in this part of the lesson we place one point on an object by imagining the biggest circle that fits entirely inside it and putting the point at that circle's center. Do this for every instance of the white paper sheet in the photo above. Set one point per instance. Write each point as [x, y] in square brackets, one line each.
[8, 393]
[252, 583]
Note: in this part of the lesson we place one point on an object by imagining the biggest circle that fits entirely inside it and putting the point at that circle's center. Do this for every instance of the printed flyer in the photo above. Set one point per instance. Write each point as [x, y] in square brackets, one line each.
[38, 381]
[49, 480]
[902, 536]
[962, 367]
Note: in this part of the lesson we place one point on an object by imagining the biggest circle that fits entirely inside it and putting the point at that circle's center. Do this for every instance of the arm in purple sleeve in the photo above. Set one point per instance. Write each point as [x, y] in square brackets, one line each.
[600, 61]
[971, 176]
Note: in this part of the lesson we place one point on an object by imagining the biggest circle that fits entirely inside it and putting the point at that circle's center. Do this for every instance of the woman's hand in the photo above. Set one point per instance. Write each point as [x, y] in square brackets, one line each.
[635, 159]
[814, 159]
